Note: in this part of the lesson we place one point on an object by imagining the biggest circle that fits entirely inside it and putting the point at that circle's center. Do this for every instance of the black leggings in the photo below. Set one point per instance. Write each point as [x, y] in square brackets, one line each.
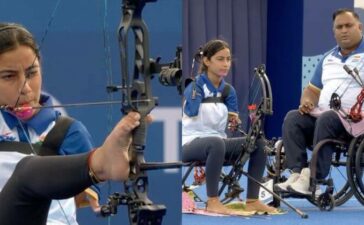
[214, 151]
[26, 197]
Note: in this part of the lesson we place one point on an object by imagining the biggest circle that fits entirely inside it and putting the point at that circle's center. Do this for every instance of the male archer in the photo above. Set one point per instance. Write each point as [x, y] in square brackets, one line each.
[314, 121]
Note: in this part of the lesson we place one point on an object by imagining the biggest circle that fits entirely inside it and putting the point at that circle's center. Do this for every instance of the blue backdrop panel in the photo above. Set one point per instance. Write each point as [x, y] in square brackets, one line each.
[77, 66]
[284, 52]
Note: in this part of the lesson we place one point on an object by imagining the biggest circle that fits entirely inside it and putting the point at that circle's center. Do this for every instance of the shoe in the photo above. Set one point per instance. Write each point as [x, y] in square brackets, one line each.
[302, 184]
[283, 186]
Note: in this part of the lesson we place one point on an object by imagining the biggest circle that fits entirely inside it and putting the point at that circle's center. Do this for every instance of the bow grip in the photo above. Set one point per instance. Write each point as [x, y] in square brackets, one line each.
[139, 135]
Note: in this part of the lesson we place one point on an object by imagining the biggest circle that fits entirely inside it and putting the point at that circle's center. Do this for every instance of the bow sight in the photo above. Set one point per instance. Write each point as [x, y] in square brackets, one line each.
[171, 74]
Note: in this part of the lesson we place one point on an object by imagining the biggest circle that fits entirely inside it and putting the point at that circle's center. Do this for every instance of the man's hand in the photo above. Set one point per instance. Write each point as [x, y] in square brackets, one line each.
[309, 99]
[306, 107]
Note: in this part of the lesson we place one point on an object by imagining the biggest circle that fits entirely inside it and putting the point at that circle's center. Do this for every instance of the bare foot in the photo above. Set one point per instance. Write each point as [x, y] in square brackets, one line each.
[259, 207]
[215, 206]
[111, 160]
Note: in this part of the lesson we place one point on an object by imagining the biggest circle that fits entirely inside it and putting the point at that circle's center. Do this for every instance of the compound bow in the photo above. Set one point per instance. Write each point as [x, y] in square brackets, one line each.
[257, 117]
[355, 112]
[137, 96]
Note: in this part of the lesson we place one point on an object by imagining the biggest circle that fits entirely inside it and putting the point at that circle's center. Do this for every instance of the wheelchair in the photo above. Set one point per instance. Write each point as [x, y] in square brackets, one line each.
[337, 191]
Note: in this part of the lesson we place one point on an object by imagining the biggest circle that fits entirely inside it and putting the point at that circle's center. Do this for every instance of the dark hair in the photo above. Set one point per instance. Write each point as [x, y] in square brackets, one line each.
[210, 49]
[345, 10]
[13, 35]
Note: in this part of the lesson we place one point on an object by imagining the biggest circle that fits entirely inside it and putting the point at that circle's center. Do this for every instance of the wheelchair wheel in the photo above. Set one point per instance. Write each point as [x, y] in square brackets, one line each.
[355, 165]
[275, 167]
[342, 190]
[275, 160]
[339, 197]
[326, 202]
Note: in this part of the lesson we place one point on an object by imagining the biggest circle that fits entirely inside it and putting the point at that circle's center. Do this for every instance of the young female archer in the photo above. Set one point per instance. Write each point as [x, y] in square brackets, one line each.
[24, 121]
[209, 104]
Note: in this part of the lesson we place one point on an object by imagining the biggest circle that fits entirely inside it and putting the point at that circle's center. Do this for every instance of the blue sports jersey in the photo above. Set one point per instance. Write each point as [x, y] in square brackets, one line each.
[206, 119]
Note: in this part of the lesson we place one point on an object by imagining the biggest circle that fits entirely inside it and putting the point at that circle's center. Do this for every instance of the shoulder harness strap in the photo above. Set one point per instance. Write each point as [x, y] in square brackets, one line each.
[51, 144]
[221, 99]
[55, 137]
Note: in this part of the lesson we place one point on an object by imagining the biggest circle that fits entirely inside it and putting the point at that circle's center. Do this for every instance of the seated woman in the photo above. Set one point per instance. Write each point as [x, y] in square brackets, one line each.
[209, 103]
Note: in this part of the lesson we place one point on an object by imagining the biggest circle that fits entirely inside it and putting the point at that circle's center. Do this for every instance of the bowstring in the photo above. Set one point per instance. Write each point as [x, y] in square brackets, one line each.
[108, 63]
[50, 21]
[27, 74]
[109, 78]
[256, 87]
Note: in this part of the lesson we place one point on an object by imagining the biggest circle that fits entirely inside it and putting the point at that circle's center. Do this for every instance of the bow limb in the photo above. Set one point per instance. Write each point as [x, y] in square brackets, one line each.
[257, 114]
[261, 104]
[355, 111]
[138, 93]
[138, 86]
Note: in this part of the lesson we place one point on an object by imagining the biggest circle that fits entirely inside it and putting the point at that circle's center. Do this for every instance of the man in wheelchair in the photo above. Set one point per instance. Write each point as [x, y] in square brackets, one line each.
[330, 106]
